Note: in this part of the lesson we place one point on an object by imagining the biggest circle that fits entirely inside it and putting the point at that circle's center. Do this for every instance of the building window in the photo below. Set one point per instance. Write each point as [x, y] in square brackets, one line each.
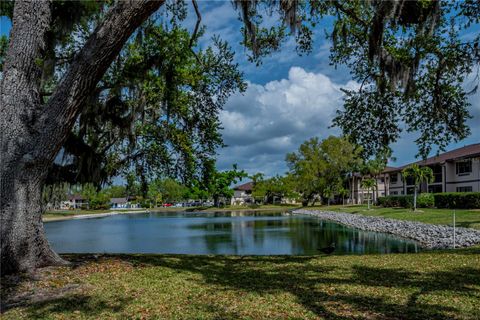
[435, 188]
[394, 192]
[437, 173]
[393, 178]
[464, 189]
[410, 190]
[464, 167]
[409, 181]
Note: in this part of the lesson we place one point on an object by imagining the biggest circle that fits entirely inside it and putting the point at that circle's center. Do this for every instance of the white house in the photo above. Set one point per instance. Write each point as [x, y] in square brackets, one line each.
[76, 201]
[242, 194]
[123, 203]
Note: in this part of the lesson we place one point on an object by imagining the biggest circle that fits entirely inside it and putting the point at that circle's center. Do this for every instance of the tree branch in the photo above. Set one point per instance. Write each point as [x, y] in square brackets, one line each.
[350, 13]
[87, 69]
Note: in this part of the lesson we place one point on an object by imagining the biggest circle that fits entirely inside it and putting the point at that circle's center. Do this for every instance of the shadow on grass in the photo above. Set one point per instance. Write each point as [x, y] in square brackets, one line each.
[86, 305]
[301, 277]
[296, 276]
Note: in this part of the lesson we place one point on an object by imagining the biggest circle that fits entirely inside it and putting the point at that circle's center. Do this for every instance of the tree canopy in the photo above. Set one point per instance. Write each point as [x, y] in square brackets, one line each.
[320, 167]
[155, 111]
[410, 58]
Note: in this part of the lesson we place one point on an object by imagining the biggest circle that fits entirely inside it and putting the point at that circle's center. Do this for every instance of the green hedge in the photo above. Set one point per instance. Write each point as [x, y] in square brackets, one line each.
[424, 200]
[396, 201]
[458, 200]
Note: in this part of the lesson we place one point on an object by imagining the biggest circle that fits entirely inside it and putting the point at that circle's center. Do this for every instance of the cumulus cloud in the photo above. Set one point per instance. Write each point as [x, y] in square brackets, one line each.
[267, 121]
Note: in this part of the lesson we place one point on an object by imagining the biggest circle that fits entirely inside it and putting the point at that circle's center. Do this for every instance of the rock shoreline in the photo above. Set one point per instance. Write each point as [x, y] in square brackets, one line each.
[429, 236]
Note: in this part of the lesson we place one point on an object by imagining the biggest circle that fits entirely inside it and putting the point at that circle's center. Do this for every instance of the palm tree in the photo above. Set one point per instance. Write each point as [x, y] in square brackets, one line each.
[419, 175]
[369, 184]
[374, 168]
[342, 192]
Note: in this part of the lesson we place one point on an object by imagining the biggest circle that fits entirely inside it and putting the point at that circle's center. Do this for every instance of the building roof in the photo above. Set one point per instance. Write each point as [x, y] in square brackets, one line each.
[75, 197]
[244, 187]
[118, 200]
[390, 169]
[470, 151]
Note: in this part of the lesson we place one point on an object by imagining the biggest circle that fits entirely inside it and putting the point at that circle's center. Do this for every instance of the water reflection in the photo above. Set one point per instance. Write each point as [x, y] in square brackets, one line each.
[238, 233]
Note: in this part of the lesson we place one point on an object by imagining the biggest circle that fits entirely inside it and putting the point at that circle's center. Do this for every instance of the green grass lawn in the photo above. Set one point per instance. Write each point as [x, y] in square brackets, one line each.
[70, 213]
[61, 214]
[428, 285]
[464, 218]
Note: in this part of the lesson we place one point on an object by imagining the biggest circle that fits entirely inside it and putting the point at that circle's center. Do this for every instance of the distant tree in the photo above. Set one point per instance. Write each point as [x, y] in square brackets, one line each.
[258, 189]
[369, 184]
[115, 191]
[154, 193]
[172, 190]
[132, 188]
[322, 165]
[308, 165]
[373, 168]
[89, 191]
[219, 183]
[342, 192]
[418, 175]
[197, 191]
[327, 193]
[277, 187]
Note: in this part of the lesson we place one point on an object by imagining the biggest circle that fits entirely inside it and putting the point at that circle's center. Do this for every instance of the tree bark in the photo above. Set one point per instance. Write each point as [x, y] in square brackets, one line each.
[415, 199]
[31, 133]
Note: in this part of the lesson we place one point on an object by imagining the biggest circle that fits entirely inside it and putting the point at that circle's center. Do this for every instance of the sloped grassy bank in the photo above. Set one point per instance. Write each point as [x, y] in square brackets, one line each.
[428, 235]
[427, 285]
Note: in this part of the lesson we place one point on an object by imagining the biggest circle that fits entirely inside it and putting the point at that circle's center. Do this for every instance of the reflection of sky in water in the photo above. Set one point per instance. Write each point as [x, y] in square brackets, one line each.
[216, 233]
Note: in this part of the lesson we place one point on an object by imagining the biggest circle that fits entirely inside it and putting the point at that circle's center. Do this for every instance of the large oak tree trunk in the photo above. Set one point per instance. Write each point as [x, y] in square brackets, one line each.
[32, 133]
[24, 245]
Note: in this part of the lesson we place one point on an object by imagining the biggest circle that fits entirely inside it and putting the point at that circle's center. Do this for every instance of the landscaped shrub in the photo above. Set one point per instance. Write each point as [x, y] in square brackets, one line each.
[425, 200]
[457, 200]
[396, 201]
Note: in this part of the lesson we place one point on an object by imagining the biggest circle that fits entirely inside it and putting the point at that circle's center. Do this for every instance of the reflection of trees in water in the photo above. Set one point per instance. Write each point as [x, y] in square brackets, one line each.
[182, 233]
[294, 235]
[309, 235]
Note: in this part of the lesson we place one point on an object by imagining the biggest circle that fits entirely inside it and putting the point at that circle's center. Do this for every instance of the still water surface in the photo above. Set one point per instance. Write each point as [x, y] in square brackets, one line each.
[239, 233]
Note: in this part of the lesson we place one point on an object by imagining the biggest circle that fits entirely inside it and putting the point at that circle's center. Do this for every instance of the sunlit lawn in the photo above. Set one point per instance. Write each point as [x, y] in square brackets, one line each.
[59, 214]
[70, 213]
[463, 218]
[430, 285]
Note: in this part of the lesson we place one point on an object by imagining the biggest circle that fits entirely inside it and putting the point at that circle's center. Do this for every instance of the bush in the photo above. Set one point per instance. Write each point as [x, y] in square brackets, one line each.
[396, 201]
[452, 200]
[425, 200]
[457, 200]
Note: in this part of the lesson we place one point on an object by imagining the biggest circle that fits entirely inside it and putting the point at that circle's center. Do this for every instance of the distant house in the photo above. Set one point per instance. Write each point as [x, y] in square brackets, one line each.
[123, 203]
[76, 201]
[457, 170]
[242, 194]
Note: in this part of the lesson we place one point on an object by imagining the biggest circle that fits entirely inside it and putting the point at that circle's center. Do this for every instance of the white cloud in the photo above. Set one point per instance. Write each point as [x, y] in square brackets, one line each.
[266, 122]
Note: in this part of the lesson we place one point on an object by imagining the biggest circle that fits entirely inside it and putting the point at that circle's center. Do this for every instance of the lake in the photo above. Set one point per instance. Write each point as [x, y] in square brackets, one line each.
[237, 233]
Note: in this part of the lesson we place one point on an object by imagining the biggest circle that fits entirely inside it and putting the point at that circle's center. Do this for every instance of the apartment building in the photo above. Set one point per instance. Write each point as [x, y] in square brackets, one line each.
[454, 171]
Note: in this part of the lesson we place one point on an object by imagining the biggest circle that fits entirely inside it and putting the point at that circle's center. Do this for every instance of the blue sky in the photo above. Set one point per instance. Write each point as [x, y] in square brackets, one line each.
[290, 98]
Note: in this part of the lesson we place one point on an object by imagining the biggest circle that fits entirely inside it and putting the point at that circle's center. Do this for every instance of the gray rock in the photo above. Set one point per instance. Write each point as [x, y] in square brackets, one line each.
[428, 235]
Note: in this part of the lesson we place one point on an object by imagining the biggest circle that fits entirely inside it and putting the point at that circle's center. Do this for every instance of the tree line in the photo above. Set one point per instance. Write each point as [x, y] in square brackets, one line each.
[321, 170]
